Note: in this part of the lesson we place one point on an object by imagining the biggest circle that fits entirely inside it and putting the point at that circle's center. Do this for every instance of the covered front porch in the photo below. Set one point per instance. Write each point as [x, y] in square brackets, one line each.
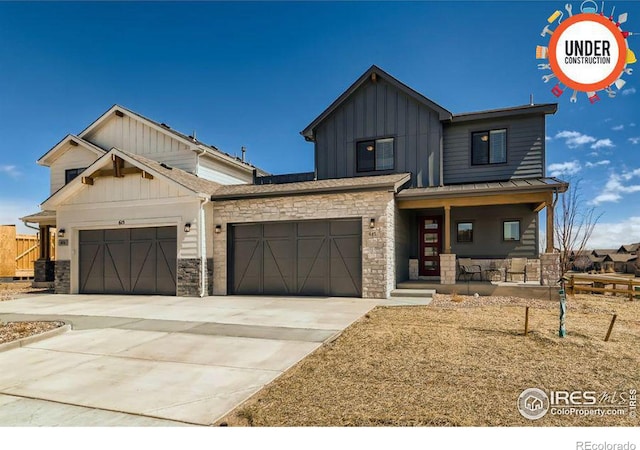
[44, 266]
[480, 232]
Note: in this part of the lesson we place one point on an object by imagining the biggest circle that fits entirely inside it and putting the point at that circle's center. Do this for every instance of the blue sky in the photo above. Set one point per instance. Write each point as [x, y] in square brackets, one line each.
[255, 74]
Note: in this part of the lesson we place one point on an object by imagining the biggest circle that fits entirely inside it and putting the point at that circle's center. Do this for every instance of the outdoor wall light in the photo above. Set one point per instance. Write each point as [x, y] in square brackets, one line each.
[61, 232]
[218, 228]
[372, 223]
[187, 227]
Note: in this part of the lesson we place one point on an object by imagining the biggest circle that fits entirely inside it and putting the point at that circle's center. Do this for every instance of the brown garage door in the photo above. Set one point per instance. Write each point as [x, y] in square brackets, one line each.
[128, 261]
[297, 258]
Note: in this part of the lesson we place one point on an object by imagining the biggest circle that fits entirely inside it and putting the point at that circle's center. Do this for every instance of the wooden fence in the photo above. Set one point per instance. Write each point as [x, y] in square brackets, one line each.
[599, 284]
[18, 252]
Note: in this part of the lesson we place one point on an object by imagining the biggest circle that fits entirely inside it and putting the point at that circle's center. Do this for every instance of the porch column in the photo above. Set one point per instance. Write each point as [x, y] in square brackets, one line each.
[549, 230]
[447, 229]
[45, 244]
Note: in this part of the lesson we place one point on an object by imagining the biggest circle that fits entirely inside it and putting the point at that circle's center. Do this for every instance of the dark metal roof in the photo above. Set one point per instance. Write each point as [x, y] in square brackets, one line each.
[543, 108]
[308, 132]
[492, 187]
[391, 182]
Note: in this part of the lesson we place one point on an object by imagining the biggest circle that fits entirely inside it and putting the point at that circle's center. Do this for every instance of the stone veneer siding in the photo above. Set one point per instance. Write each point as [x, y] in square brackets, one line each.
[549, 269]
[62, 282]
[378, 247]
[44, 270]
[209, 289]
[189, 277]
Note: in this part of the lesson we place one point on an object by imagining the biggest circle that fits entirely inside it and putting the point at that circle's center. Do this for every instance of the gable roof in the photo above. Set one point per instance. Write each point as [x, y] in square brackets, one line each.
[630, 248]
[309, 131]
[192, 183]
[620, 257]
[190, 141]
[603, 251]
[54, 153]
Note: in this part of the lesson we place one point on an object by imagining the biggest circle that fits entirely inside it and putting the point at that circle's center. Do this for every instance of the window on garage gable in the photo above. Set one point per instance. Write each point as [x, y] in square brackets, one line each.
[375, 155]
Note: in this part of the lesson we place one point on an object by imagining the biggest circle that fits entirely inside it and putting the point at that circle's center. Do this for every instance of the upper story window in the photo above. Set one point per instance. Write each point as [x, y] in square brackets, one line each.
[70, 174]
[373, 155]
[489, 147]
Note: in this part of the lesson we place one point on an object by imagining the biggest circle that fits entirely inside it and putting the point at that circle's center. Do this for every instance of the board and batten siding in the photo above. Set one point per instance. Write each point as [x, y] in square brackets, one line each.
[136, 137]
[379, 110]
[222, 173]
[73, 158]
[525, 150]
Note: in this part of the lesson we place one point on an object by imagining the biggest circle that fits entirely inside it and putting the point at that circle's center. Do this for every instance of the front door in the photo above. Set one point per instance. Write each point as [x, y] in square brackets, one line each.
[430, 245]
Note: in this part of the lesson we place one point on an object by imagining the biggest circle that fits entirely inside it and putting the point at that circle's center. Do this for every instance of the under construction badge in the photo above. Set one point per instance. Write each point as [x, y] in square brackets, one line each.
[587, 52]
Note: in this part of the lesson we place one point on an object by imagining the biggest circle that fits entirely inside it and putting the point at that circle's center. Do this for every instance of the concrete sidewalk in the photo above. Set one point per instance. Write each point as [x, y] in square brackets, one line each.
[167, 358]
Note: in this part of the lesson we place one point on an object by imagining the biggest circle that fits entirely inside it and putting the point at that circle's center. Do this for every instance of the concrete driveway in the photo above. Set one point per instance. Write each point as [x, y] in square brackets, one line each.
[151, 360]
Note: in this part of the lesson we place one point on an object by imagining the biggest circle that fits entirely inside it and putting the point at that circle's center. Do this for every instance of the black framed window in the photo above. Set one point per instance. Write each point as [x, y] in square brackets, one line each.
[511, 230]
[70, 174]
[465, 232]
[489, 147]
[375, 154]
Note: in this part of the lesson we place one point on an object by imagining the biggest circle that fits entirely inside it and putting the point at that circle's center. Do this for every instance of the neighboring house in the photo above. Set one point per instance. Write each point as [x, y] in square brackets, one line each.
[400, 187]
[622, 262]
[630, 248]
[130, 199]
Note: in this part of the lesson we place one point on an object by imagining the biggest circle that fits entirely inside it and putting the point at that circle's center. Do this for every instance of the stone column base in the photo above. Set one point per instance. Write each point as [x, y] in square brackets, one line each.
[44, 270]
[549, 269]
[189, 281]
[448, 268]
[63, 277]
[414, 267]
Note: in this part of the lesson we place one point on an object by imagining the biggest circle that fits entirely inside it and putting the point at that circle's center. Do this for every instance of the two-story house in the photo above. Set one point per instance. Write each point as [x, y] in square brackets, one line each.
[130, 200]
[401, 186]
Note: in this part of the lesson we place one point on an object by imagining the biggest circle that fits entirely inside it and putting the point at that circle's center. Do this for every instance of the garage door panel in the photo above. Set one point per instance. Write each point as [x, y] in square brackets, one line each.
[128, 261]
[247, 256]
[143, 273]
[278, 266]
[311, 228]
[345, 227]
[278, 230]
[117, 271]
[91, 267]
[247, 231]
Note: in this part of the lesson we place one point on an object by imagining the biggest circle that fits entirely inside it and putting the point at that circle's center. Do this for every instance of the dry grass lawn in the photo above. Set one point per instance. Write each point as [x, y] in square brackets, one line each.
[454, 364]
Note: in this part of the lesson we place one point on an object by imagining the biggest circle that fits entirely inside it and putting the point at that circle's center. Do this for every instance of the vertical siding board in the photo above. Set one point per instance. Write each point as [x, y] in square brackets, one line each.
[359, 116]
[381, 96]
[339, 144]
[401, 131]
[370, 111]
[350, 145]
[391, 105]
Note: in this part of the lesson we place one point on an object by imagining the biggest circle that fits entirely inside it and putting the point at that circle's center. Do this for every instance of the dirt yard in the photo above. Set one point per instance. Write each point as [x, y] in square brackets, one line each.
[11, 331]
[457, 362]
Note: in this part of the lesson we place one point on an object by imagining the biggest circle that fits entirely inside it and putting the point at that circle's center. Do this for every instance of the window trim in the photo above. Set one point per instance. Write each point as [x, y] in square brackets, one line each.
[460, 222]
[374, 140]
[488, 131]
[519, 221]
[78, 170]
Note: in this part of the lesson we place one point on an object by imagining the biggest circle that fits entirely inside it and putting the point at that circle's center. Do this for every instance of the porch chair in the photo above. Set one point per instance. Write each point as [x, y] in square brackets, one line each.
[518, 267]
[468, 268]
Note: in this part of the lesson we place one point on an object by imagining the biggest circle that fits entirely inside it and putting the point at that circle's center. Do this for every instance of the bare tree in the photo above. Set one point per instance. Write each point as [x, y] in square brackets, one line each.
[574, 224]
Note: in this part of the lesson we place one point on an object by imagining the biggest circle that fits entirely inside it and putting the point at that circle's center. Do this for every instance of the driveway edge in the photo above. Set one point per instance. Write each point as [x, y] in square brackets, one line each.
[35, 338]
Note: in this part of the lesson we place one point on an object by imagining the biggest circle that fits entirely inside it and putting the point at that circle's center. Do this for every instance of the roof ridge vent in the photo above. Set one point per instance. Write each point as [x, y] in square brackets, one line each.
[165, 125]
[166, 166]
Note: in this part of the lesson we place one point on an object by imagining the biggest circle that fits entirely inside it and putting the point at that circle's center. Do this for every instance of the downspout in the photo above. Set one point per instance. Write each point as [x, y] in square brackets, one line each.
[203, 244]
[26, 224]
[441, 174]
